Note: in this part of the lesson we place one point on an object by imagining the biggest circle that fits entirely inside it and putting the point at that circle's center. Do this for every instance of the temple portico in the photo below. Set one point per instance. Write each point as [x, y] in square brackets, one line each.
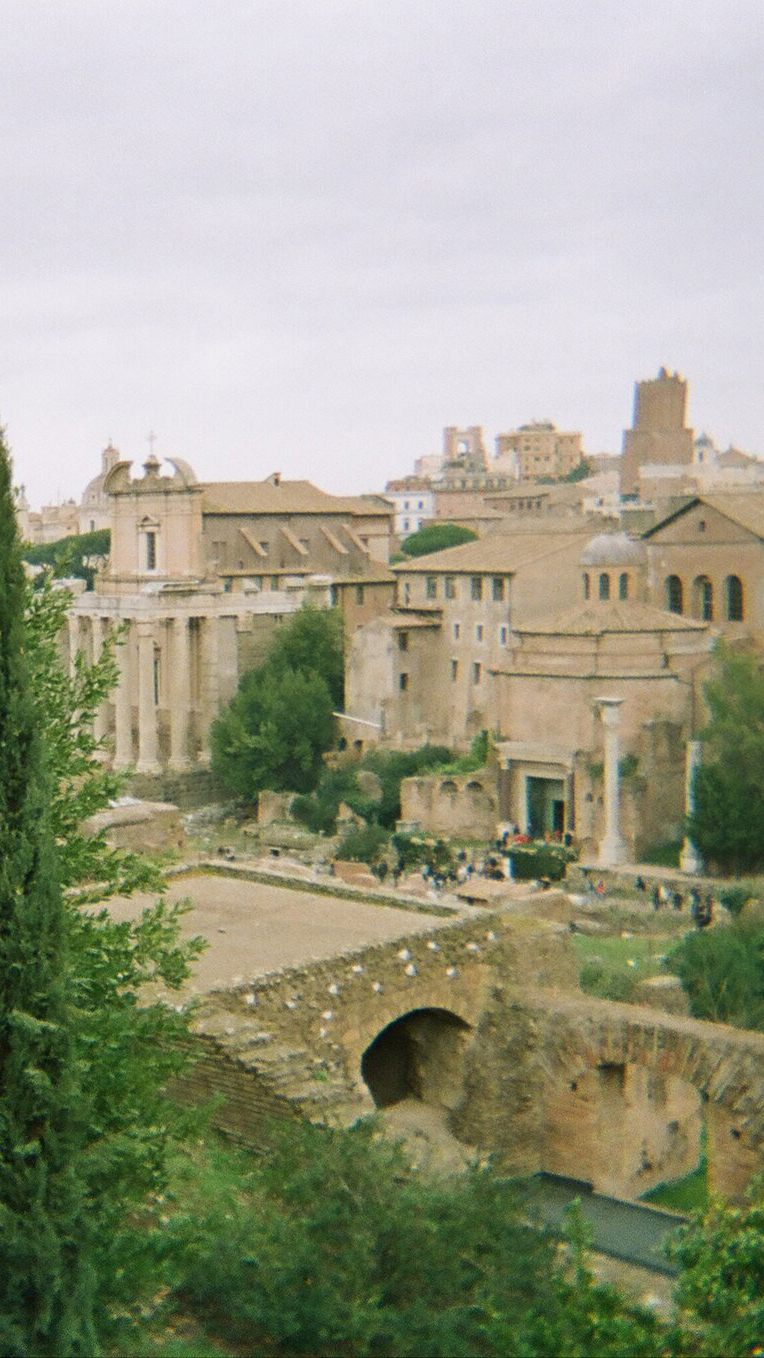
[176, 665]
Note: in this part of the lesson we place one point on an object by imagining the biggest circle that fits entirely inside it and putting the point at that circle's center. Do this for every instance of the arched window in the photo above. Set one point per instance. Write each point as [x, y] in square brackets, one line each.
[733, 588]
[703, 598]
[587, 585]
[674, 594]
[623, 585]
[604, 585]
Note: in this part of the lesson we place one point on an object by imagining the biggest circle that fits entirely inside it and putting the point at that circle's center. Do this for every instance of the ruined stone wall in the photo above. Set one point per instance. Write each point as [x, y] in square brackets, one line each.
[464, 804]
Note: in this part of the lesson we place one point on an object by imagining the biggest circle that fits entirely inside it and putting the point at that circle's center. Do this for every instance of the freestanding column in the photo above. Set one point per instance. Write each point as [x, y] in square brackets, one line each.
[98, 632]
[209, 682]
[123, 720]
[74, 639]
[180, 694]
[689, 859]
[612, 847]
[147, 712]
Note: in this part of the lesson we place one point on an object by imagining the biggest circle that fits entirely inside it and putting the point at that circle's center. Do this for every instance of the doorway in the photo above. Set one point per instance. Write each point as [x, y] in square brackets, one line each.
[545, 805]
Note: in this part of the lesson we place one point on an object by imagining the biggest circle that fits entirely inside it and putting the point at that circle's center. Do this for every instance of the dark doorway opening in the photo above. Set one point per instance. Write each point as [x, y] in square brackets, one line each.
[417, 1056]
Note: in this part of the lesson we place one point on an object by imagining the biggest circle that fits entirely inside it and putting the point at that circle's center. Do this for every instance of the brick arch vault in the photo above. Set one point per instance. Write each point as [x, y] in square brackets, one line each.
[622, 1088]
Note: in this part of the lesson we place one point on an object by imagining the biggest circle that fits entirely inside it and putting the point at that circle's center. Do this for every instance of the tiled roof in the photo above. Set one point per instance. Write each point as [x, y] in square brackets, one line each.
[284, 497]
[594, 619]
[500, 552]
[745, 508]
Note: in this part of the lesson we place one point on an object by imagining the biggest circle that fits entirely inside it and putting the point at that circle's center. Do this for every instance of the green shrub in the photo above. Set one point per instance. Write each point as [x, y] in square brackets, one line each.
[435, 537]
[364, 844]
[414, 851]
[733, 898]
[532, 861]
[607, 982]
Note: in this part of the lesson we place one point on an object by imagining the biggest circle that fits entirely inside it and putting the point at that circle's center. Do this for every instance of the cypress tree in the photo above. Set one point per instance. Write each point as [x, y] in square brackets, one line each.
[46, 1283]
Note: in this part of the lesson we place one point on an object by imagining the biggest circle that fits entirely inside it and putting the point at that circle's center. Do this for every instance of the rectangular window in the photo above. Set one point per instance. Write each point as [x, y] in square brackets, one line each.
[274, 582]
[403, 682]
[457, 629]
[151, 551]
[454, 669]
[406, 595]
[499, 588]
[431, 588]
[359, 594]
[479, 632]
[450, 587]
[503, 635]
[477, 670]
[403, 641]
[476, 588]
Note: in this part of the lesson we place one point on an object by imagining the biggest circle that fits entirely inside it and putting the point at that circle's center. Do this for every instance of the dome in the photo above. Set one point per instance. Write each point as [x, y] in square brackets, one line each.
[613, 549]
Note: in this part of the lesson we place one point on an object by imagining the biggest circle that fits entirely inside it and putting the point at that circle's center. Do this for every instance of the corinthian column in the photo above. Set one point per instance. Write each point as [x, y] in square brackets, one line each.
[98, 632]
[612, 849]
[123, 721]
[208, 682]
[689, 859]
[147, 712]
[180, 694]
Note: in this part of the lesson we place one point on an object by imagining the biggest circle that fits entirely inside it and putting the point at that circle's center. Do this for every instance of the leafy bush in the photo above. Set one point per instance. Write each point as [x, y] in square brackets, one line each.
[733, 898]
[364, 844]
[722, 971]
[531, 861]
[331, 1244]
[473, 760]
[436, 537]
[77, 556]
[416, 851]
[607, 982]
[319, 810]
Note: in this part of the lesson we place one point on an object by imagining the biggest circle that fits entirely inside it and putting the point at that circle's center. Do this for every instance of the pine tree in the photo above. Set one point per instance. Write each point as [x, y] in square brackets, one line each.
[46, 1279]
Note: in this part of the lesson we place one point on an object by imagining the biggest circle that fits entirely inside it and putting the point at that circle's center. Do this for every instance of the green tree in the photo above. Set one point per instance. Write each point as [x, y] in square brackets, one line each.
[727, 822]
[274, 731]
[332, 1244]
[78, 556]
[127, 1046]
[435, 537]
[46, 1268]
[722, 971]
[720, 1292]
[313, 642]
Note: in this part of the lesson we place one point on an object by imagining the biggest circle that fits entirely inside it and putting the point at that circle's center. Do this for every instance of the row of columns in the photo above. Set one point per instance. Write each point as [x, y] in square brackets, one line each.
[137, 686]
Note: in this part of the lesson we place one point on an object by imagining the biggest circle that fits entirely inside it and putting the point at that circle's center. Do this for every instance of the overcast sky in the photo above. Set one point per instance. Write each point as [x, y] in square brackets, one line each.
[304, 235]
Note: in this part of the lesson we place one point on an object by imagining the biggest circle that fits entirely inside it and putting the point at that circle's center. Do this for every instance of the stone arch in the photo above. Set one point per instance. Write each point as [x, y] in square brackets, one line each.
[419, 1055]
[448, 788]
[665, 1056]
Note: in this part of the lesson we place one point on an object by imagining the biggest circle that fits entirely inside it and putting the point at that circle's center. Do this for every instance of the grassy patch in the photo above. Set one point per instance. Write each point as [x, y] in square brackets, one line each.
[611, 967]
[682, 1195]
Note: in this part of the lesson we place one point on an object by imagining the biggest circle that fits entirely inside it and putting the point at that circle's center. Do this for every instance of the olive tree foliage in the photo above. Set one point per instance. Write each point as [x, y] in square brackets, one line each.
[127, 1050]
[727, 821]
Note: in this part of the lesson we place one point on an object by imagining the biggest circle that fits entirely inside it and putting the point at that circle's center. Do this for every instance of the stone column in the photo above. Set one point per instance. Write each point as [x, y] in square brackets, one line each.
[147, 711]
[208, 682]
[123, 720]
[612, 850]
[73, 624]
[689, 859]
[180, 694]
[98, 632]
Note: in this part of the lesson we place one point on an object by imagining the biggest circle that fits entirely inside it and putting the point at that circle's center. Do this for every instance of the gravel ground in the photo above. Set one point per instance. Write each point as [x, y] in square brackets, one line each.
[253, 929]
